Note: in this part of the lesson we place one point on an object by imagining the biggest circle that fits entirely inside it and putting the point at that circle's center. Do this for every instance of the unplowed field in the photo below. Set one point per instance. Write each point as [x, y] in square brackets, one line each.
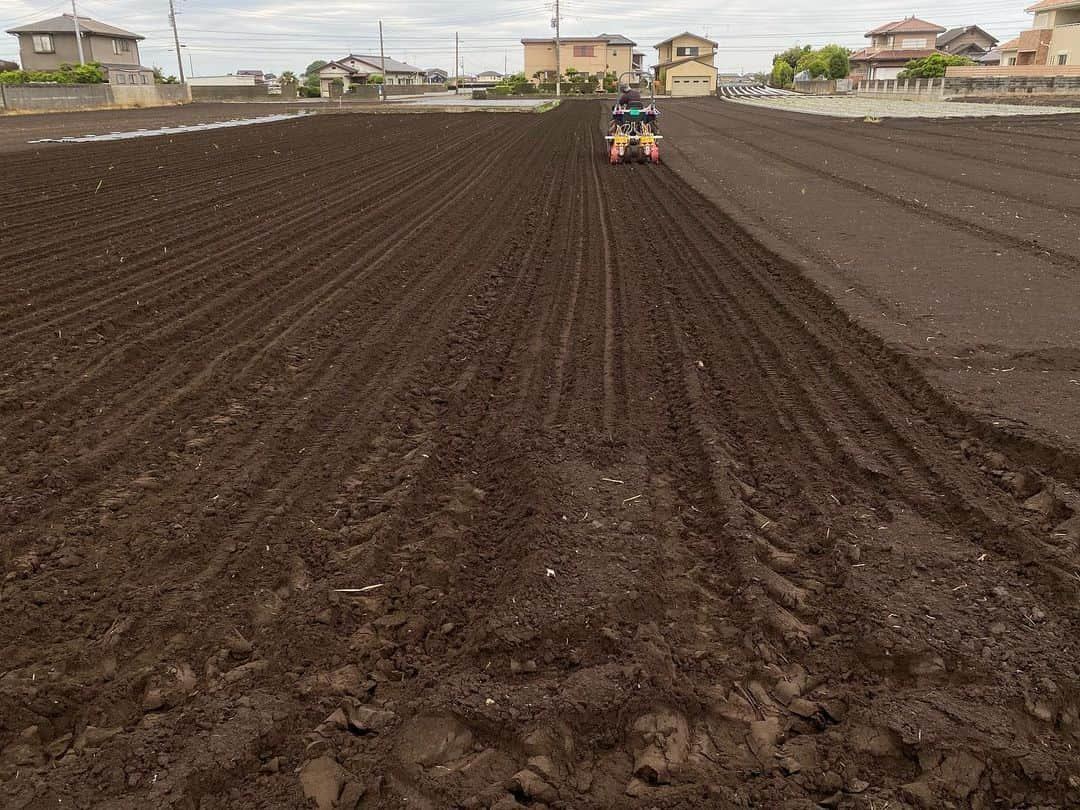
[431, 462]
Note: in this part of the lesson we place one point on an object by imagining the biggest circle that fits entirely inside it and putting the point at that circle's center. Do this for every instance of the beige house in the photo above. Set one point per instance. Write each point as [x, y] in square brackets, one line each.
[686, 65]
[358, 68]
[1053, 40]
[893, 45]
[48, 44]
[592, 56]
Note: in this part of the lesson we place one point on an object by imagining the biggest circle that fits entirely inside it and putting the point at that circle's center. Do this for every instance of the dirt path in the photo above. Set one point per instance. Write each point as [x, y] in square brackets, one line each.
[401, 479]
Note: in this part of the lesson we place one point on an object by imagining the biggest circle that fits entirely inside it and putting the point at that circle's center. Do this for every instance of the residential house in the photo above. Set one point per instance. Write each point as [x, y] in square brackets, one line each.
[1054, 38]
[592, 56]
[970, 41]
[257, 75]
[892, 46]
[358, 68]
[48, 44]
[6, 65]
[686, 65]
[436, 76]
[489, 77]
[992, 58]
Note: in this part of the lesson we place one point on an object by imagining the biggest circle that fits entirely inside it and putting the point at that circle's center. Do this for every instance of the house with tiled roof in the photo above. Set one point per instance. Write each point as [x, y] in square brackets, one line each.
[1053, 39]
[360, 68]
[967, 40]
[590, 56]
[893, 45]
[686, 65]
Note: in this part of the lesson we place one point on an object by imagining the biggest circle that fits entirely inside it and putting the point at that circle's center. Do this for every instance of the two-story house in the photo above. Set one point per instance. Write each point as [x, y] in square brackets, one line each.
[48, 44]
[686, 65]
[969, 40]
[1054, 38]
[591, 56]
[892, 46]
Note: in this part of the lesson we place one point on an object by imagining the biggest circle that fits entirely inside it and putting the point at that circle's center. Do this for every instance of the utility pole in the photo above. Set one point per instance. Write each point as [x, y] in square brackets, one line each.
[457, 64]
[558, 51]
[78, 31]
[382, 57]
[176, 39]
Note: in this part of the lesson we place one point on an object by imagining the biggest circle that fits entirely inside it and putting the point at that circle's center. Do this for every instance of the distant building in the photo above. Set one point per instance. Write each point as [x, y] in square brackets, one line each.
[1054, 38]
[230, 80]
[686, 65]
[970, 41]
[436, 76]
[6, 66]
[892, 46]
[359, 68]
[48, 44]
[591, 56]
[991, 58]
[489, 77]
[257, 75]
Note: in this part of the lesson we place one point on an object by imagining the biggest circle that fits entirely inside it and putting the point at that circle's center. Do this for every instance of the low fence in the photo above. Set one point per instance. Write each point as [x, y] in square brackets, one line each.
[1013, 72]
[903, 89]
[961, 86]
[370, 92]
[73, 97]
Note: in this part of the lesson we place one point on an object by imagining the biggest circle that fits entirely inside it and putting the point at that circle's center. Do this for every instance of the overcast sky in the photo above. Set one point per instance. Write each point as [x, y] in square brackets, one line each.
[276, 35]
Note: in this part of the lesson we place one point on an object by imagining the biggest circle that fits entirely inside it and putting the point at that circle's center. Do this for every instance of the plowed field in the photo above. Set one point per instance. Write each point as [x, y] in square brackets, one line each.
[428, 461]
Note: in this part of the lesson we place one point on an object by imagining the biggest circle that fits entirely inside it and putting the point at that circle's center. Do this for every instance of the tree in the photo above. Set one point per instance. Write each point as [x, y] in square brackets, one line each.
[792, 55]
[288, 77]
[161, 78]
[837, 60]
[813, 63]
[932, 66]
[315, 67]
[782, 73]
[376, 78]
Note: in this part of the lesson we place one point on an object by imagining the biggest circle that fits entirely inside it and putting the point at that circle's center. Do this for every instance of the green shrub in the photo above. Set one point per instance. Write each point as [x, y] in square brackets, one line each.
[782, 74]
[90, 73]
[933, 66]
[501, 90]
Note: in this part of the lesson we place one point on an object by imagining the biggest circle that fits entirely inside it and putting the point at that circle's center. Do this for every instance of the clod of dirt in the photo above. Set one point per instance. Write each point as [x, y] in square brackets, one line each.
[433, 740]
[527, 784]
[365, 720]
[660, 743]
[322, 780]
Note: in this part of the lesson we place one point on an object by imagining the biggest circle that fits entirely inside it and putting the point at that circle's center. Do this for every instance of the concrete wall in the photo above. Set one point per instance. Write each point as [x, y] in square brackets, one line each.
[959, 87]
[370, 92]
[257, 92]
[1012, 72]
[70, 97]
[908, 89]
[824, 87]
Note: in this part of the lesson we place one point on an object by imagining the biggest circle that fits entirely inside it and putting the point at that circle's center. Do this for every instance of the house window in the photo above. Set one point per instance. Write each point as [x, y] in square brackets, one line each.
[909, 44]
[1063, 59]
[120, 46]
[687, 51]
[121, 78]
[586, 51]
[43, 43]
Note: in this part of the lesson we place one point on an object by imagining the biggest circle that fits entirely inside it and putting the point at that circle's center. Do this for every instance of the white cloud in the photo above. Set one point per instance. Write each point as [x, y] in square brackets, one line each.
[289, 34]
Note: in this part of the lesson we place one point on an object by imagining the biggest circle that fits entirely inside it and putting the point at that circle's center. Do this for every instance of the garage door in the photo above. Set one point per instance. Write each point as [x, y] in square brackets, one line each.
[690, 86]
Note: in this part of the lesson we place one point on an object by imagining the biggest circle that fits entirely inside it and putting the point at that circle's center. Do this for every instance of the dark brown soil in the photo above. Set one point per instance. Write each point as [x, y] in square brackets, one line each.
[956, 240]
[410, 461]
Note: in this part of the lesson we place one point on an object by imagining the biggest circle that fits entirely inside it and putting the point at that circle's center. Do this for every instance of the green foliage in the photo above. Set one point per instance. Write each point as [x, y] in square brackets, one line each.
[161, 78]
[783, 74]
[500, 90]
[376, 78]
[310, 88]
[315, 67]
[933, 66]
[90, 73]
[830, 62]
[792, 55]
[288, 77]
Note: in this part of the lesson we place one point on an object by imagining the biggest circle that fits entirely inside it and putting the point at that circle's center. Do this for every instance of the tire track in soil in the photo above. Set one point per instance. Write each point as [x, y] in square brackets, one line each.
[651, 525]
